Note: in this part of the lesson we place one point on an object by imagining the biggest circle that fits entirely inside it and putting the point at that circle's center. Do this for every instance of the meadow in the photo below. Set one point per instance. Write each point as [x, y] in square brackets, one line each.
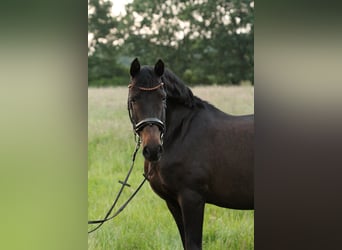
[146, 222]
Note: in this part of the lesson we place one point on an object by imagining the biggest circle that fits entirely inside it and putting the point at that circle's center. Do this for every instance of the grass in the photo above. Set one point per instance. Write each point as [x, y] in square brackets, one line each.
[146, 222]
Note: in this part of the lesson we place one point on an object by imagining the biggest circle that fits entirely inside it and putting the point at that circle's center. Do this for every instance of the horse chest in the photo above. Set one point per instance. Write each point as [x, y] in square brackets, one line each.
[158, 181]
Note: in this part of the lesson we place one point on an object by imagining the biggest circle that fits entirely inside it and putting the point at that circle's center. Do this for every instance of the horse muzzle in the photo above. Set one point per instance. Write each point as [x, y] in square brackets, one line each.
[153, 153]
[151, 137]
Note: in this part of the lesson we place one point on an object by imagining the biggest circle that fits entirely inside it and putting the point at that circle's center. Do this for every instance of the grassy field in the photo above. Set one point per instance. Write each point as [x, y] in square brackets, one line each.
[146, 222]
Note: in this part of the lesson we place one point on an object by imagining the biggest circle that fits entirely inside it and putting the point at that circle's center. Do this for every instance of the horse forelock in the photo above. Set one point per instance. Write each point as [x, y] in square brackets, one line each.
[146, 78]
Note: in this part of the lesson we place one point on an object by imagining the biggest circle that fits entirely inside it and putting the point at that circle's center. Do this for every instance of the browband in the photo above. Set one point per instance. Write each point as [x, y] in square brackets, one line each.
[147, 89]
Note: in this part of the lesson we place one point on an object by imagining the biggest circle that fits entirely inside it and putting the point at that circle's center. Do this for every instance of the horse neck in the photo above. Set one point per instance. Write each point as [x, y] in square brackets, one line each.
[177, 115]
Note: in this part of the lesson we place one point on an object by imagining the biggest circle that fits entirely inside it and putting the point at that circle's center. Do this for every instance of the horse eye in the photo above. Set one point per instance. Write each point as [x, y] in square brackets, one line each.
[134, 99]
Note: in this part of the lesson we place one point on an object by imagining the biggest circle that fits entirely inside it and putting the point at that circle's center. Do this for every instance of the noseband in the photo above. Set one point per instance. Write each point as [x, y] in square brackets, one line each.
[139, 126]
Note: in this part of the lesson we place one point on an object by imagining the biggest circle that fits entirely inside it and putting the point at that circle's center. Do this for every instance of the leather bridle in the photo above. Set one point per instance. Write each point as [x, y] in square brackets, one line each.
[150, 121]
[137, 128]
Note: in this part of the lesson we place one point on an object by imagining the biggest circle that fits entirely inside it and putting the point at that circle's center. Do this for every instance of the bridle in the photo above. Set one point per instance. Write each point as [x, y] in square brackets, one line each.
[150, 121]
[137, 128]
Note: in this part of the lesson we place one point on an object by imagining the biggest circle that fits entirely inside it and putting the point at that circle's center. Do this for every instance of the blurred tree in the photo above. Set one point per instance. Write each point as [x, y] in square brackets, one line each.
[103, 66]
[203, 41]
[100, 22]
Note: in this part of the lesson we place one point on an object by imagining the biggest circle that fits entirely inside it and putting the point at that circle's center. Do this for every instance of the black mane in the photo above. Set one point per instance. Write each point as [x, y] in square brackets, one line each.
[176, 89]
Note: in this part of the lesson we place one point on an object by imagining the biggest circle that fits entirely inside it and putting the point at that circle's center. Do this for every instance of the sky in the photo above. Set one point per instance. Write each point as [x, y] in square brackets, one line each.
[119, 6]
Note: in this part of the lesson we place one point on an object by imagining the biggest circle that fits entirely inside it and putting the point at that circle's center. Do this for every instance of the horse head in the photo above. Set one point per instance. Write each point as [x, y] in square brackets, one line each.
[147, 107]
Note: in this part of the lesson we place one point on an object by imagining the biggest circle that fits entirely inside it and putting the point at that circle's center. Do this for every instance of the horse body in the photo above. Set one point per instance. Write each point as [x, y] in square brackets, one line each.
[187, 163]
[207, 157]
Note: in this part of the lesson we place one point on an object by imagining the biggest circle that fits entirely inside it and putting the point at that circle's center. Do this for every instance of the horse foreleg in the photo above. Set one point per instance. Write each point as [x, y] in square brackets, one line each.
[177, 215]
[192, 206]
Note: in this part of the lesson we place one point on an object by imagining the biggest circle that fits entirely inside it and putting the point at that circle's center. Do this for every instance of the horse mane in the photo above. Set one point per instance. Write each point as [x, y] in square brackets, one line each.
[175, 88]
[178, 92]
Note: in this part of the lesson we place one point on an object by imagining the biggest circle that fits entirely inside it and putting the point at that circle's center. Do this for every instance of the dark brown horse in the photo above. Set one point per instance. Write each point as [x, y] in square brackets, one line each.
[194, 153]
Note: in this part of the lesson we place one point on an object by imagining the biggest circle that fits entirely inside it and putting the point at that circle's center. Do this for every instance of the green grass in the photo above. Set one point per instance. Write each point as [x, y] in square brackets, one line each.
[146, 222]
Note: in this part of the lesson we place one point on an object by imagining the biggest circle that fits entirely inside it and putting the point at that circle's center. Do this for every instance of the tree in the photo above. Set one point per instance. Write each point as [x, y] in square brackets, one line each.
[103, 66]
[203, 41]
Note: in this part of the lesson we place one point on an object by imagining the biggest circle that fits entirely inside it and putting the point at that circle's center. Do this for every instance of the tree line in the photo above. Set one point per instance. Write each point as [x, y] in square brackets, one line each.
[202, 41]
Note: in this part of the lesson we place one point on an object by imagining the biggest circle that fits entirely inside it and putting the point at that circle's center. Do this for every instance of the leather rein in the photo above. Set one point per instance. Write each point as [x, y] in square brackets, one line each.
[137, 128]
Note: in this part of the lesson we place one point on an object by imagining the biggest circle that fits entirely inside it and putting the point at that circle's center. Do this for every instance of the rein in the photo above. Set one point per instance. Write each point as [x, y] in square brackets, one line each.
[137, 128]
[124, 184]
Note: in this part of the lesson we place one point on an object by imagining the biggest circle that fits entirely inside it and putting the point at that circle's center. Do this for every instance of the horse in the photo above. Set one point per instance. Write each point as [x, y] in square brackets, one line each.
[193, 153]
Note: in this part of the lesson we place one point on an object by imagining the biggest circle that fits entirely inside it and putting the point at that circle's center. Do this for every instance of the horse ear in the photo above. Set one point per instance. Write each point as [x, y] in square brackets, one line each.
[135, 67]
[159, 68]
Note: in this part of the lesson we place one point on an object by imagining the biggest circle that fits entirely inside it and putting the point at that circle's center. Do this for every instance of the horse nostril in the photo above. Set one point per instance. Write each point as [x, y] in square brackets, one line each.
[146, 152]
[152, 153]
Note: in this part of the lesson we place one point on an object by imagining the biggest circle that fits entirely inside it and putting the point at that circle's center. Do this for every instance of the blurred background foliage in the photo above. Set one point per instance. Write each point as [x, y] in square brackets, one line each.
[202, 41]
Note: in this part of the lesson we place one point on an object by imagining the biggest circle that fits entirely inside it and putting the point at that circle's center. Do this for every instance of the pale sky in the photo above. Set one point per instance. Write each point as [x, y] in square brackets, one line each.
[119, 6]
